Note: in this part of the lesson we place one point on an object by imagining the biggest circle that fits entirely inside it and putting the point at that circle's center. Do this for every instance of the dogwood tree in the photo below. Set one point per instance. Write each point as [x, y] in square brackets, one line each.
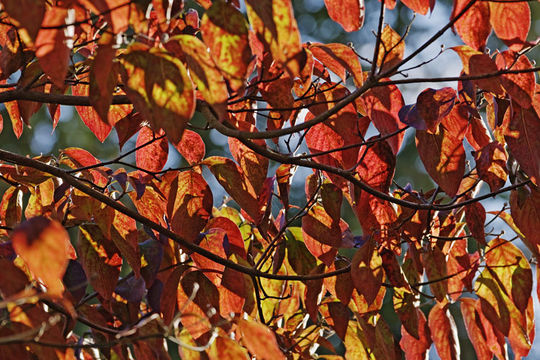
[113, 259]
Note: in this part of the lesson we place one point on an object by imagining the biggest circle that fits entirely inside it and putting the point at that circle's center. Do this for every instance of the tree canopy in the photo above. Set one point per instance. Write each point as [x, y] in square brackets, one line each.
[120, 259]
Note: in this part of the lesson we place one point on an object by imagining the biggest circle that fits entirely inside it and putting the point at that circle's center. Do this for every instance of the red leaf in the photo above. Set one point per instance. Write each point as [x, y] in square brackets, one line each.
[100, 259]
[433, 105]
[204, 72]
[366, 271]
[416, 349]
[154, 154]
[476, 63]
[235, 241]
[213, 240]
[340, 59]
[511, 22]
[349, 13]
[520, 87]
[276, 27]
[191, 147]
[230, 176]
[233, 292]
[382, 105]
[491, 165]
[125, 236]
[474, 26]
[475, 329]
[522, 139]
[444, 332]
[29, 14]
[103, 78]
[259, 340]
[224, 24]
[190, 204]
[525, 207]
[443, 157]
[475, 216]
[160, 88]
[321, 233]
[44, 246]
[82, 158]
[51, 48]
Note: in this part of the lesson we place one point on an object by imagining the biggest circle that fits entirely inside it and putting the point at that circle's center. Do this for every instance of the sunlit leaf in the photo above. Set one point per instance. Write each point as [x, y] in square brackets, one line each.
[339, 58]
[444, 332]
[521, 86]
[443, 157]
[474, 26]
[44, 246]
[259, 340]
[366, 271]
[159, 87]
[152, 150]
[511, 22]
[191, 147]
[392, 49]
[434, 104]
[474, 327]
[349, 14]
[416, 348]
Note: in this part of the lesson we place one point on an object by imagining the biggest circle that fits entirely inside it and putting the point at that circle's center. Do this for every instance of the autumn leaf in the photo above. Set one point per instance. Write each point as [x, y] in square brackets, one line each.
[511, 22]
[160, 89]
[444, 332]
[392, 49]
[153, 150]
[433, 105]
[259, 340]
[45, 247]
[225, 32]
[349, 14]
[474, 327]
[443, 157]
[366, 271]
[474, 26]
[340, 59]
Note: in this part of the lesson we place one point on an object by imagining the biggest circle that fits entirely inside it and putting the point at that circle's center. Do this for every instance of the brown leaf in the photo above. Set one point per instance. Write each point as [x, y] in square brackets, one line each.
[366, 271]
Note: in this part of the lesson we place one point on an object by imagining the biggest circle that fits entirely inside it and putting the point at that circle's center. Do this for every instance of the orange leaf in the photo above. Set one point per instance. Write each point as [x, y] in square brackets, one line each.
[190, 204]
[51, 48]
[160, 88]
[491, 165]
[475, 216]
[475, 329]
[204, 72]
[154, 154]
[259, 340]
[391, 50]
[443, 157]
[474, 26]
[444, 332]
[191, 147]
[103, 78]
[435, 264]
[382, 106]
[340, 59]
[225, 31]
[511, 22]
[28, 14]
[520, 87]
[274, 22]
[349, 13]
[44, 246]
[416, 348]
[476, 63]
[418, 6]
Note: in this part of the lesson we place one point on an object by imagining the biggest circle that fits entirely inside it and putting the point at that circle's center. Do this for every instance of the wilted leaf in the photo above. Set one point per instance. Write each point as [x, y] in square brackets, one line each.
[44, 246]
